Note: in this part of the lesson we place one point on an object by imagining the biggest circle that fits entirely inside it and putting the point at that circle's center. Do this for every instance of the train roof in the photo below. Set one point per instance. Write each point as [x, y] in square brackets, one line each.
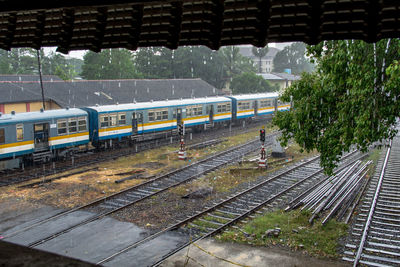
[255, 96]
[40, 116]
[160, 104]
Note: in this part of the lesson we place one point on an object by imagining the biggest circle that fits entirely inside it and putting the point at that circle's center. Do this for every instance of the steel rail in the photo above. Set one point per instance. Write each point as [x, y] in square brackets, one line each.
[371, 212]
[97, 201]
[224, 202]
[239, 218]
[99, 216]
[105, 156]
[343, 198]
[292, 204]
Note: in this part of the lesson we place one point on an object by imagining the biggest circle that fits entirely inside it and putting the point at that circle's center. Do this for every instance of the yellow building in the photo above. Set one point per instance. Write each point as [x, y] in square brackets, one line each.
[19, 107]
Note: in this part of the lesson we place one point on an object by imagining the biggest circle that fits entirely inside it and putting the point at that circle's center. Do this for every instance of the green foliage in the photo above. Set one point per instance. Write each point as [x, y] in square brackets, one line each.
[109, 64]
[214, 67]
[260, 53]
[292, 57]
[317, 239]
[24, 61]
[235, 63]
[351, 99]
[184, 62]
[249, 82]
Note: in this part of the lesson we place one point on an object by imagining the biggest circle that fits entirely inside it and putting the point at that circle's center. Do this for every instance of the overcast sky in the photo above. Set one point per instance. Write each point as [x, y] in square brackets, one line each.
[76, 54]
[80, 53]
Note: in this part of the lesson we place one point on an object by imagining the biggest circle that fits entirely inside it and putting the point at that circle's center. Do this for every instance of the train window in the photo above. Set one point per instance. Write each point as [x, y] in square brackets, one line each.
[104, 121]
[2, 137]
[188, 112]
[82, 124]
[158, 115]
[62, 126]
[38, 127]
[165, 114]
[121, 118]
[265, 103]
[72, 125]
[224, 107]
[152, 116]
[20, 132]
[113, 119]
[194, 110]
[244, 105]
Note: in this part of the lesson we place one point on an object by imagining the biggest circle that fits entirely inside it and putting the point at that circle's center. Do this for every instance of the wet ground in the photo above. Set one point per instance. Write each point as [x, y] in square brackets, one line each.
[106, 236]
[15, 255]
[102, 238]
[217, 254]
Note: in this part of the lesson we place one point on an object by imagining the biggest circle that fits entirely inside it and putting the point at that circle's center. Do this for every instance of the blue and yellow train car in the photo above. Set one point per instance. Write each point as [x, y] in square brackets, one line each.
[281, 106]
[43, 134]
[253, 105]
[138, 121]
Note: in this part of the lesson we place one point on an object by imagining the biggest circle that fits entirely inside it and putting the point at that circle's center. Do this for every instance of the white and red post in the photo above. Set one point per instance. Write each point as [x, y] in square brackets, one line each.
[182, 150]
[262, 163]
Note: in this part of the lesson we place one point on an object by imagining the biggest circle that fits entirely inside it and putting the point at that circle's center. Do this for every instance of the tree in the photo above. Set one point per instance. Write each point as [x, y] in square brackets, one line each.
[154, 62]
[350, 100]
[109, 64]
[235, 63]
[5, 64]
[292, 57]
[214, 67]
[260, 53]
[24, 61]
[250, 82]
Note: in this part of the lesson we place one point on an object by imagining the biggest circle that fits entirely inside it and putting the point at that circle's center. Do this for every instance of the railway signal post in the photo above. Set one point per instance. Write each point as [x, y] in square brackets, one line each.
[182, 151]
[262, 163]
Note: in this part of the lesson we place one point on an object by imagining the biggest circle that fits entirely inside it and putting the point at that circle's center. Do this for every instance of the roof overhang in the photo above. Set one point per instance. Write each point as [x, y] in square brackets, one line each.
[97, 24]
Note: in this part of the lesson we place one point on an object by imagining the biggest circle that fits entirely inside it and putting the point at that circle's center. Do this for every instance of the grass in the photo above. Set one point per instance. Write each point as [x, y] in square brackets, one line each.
[374, 155]
[222, 214]
[296, 233]
[219, 220]
[225, 179]
[204, 224]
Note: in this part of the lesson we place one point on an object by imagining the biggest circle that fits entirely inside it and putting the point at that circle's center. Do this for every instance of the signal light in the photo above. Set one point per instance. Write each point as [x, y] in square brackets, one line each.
[180, 129]
[262, 135]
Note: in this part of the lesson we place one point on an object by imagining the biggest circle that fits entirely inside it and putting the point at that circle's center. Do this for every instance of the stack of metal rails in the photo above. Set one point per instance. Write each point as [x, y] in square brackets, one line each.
[375, 236]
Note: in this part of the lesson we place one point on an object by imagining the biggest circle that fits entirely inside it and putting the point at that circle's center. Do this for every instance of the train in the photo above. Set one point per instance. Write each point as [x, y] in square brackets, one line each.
[46, 135]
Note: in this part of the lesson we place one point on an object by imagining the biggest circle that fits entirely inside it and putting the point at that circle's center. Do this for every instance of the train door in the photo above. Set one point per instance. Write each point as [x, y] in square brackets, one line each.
[137, 121]
[41, 136]
[211, 113]
[178, 116]
[255, 107]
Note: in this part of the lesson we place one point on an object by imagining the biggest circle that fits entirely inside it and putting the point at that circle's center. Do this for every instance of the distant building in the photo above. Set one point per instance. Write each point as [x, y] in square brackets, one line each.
[22, 93]
[267, 64]
[283, 80]
[281, 46]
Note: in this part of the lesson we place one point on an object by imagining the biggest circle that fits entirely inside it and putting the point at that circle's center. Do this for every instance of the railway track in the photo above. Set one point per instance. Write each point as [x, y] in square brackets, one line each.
[272, 192]
[375, 236]
[111, 204]
[82, 160]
